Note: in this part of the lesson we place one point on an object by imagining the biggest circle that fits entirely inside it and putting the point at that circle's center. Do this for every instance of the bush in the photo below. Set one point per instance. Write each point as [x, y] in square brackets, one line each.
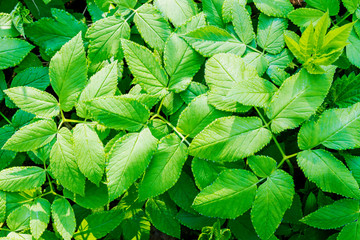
[215, 119]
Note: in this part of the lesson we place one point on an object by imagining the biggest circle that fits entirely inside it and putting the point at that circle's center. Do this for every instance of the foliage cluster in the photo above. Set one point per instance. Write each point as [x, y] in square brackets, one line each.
[214, 119]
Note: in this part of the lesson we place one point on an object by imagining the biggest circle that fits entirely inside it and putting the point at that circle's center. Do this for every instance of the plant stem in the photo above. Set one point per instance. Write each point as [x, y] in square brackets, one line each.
[174, 128]
[343, 18]
[6, 119]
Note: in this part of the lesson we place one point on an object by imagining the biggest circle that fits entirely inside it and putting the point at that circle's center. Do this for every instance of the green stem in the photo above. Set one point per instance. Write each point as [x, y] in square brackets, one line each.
[160, 106]
[254, 49]
[174, 128]
[286, 158]
[73, 121]
[6, 119]
[343, 18]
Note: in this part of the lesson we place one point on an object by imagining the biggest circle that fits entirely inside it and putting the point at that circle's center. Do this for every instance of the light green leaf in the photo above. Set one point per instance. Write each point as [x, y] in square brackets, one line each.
[165, 167]
[197, 115]
[32, 136]
[195, 89]
[119, 112]
[105, 38]
[63, 217]
[39, 216]
[102, 83]
[263, 166]
[335, 129]
[97, 225]
[353, 49]
[211, 40]
[303, 17]
[128, 159]
[271, 33]
[291, 40]
[229, 9]
[178, 11]
[351, 5]
[298, 98]
[13, 51]
[146, 68]
[68, 72]
[162, 214]
[17, 179]
[34, 101]
[332, 6]
[253, 92]
[191, 24]
[335, 215]
[272, 199]
[19, 219]
[350, 231]
[227, 139]
[37, 77]
[89, 152]
[274, 8]
[7, 28]
[181, 63]
[328, 173]
[213, 12]
[152, 26]
[230, 195]
[52, 33]
[242, 23]
[63, 163]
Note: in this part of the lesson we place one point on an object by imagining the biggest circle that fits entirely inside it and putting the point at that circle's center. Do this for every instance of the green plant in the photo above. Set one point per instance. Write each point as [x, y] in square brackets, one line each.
[211, 119]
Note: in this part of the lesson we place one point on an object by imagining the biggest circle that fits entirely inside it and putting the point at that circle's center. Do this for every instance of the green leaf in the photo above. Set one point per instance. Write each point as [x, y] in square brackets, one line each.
[303, 17]
[37, 77]
[242, 229]
[242, 23]
[335, 129]
[197, 115]
[6, 156]
[213, 12]
[68, 72]
[332, 6]
[181, 63]
[177, 11]
[119, 112]
[128, 159]
[350, 231]
[13, 51]
[162, 214]
[152, 26]
[105, 38]
[63, 217]
[137, 227]
[195, 89]
[253, 92]
[353, 164]
[211, 40]
[274, 8]
[351, 5]
[34, 101]
[353, 49]
[345, 90]
[263, 166]
[146, 68]
[335, 215]
[3, 85]
[271, 33]
[17, 179]
[19, 219]
[63, 163]
[32, 136]
[89, 152]
[272, 199]
[328, 173]
[230, 195]
[52, 33]
[165, 167]
[39, 216]
[7, 28]
[191, 24]
[102, 83]
[227, 139]
[297, 99]
[193, 220]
